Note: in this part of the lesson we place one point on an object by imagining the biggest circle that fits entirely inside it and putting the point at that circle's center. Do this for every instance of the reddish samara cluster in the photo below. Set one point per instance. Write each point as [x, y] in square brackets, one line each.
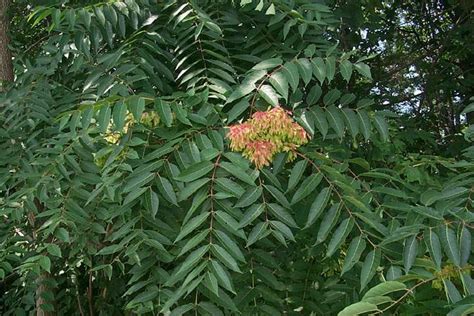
[266, 134]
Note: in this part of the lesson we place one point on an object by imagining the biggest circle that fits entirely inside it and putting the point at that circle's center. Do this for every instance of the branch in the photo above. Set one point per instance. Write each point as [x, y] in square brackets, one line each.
[407, 98]
[409, 291]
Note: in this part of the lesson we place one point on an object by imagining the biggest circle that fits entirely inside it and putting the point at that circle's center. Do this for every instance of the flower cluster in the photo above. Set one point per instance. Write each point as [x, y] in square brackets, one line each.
[148, 119]
[266, 134]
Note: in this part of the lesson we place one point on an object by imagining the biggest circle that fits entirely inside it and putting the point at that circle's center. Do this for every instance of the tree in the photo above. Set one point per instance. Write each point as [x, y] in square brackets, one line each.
[219, 157]
[423, 56]
[6, 67]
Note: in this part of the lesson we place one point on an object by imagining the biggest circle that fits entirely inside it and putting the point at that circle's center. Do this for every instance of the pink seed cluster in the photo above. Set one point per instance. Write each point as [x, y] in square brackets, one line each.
[265, 134]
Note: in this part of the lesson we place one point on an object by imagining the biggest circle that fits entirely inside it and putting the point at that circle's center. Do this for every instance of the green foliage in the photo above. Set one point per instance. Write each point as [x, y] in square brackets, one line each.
[119, 192]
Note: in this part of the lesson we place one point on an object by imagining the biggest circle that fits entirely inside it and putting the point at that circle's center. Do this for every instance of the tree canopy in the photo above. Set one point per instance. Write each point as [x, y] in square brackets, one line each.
[231, 157]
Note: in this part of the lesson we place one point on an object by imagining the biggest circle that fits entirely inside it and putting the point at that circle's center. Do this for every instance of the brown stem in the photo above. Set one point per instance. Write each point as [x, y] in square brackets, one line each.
[81, 311]
[408, 292]
[89, 295]
[211, 195]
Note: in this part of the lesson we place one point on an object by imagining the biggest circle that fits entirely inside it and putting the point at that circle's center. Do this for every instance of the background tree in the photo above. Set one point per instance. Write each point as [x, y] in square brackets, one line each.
[6, 66]
[423, 58]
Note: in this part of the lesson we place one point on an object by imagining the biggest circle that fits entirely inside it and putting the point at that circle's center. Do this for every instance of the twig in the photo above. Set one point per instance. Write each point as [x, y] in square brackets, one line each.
[340, 198]
[79, 302]
[89, 295]
[409, 291]
[211, 195]
[264, 80]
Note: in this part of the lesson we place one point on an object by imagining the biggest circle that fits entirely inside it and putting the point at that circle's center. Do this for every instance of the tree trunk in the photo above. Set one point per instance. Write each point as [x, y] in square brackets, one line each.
[41, 288]
[41, 280]
[6, 66]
